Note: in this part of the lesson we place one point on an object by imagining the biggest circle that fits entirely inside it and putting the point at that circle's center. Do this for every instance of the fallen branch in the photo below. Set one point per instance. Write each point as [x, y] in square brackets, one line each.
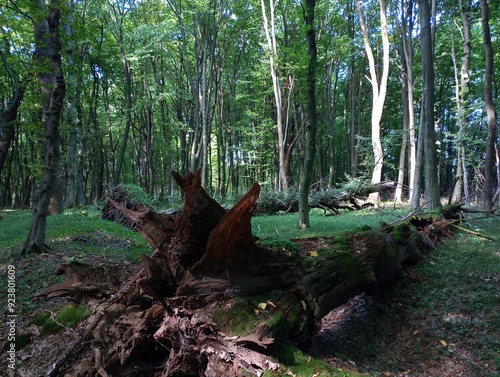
[468, 231]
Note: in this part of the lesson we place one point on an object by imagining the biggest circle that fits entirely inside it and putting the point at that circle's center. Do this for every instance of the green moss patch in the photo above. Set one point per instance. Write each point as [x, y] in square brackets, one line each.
[301, 365]
[68, 316]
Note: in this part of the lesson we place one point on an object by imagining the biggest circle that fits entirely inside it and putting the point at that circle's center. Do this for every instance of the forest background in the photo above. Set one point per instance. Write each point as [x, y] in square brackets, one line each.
[94, 94]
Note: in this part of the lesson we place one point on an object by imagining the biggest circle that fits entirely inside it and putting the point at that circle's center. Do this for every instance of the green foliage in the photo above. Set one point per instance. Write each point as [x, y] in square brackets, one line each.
[68, 316]
[136, 195]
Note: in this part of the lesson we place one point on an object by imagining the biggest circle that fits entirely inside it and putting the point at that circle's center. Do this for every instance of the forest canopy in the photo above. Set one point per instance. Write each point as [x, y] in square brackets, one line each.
[152, 86]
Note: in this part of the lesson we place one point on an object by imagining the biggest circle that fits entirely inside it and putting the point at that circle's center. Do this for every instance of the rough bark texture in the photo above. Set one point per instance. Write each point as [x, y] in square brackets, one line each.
[211, 302]
[53, 89]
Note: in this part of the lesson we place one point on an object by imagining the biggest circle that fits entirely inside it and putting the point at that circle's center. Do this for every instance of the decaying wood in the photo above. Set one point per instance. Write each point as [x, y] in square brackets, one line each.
[83, 279]
[220, 303]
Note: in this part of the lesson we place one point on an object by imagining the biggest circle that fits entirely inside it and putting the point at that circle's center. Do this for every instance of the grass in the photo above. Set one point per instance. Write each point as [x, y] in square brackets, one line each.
[82, 225]
[76, 234]
[284, 227]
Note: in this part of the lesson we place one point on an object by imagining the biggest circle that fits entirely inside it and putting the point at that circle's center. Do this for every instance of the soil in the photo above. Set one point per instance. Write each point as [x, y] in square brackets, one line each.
[379, 334]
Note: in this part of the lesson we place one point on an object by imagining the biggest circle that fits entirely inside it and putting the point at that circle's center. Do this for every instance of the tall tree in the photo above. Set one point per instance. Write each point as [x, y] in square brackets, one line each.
[52, 88]
[273, 64]
[462, 97]
[8, 114]
[427, 133]
[489, 170]
[378, 91]
[406, 36]
[307, 169]
[118, 12]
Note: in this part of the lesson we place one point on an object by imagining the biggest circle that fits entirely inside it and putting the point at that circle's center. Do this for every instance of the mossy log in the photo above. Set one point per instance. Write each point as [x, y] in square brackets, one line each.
[221, 303]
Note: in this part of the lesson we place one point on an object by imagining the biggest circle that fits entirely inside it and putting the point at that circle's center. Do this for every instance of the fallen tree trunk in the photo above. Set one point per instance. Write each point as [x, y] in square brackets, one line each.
[221, 303]
[351, 197]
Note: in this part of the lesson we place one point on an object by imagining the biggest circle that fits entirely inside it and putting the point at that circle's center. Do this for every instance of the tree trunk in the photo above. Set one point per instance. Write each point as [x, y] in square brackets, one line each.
[307, 170]
[462, 184]
[7, 123]
[427, 113]
[271, 42]
[48, 48]
[489, 170]
[215, 303]
[408, 101]
[378, 92]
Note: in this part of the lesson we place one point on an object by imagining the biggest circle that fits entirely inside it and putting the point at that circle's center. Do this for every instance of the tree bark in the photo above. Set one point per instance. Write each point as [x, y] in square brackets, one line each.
[273, 63]
[489, 170]
[462, 97]
[378, 92]
[310, 151]
[48, 48]
[7, 123]
[427, 113]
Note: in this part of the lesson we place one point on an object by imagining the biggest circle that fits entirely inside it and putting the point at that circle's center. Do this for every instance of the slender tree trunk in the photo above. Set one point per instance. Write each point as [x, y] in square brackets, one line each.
[71, 116]
[7, 123]
[489, 169]
[273, 63]
[128, 118]
[462, 181]
[48, 49]
[408, 98]
[307, 170]
[378, 92]
[419, 154]
[332, 114]
[427, 114]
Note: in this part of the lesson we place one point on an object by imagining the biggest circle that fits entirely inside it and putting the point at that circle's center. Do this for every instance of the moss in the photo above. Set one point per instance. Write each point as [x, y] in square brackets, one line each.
[68, 316]
[238, 320]
[22, 340]
[40, 319]
[302, 365]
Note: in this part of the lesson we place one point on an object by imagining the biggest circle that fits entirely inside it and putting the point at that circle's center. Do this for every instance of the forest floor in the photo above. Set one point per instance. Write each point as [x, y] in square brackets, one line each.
[443, 319]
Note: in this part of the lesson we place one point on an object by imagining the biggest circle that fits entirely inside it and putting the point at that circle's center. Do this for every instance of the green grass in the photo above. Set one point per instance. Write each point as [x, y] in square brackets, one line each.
[78, 231]
[285, 226]
[76, 234]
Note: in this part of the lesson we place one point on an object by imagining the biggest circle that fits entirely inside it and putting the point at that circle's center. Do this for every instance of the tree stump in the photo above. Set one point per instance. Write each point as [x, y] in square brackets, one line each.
[222, 303]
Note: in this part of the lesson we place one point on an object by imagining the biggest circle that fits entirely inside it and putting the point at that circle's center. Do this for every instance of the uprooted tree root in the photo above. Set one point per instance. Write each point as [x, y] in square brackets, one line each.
[210, 301]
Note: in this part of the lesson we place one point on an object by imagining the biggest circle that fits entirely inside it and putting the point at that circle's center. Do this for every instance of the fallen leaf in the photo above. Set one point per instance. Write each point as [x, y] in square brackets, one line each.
[257, 312]
[309, 359]
[271, 303]
[415, 332]
[304, 306]
[262, 306]
[313, 254]
[444, 343]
